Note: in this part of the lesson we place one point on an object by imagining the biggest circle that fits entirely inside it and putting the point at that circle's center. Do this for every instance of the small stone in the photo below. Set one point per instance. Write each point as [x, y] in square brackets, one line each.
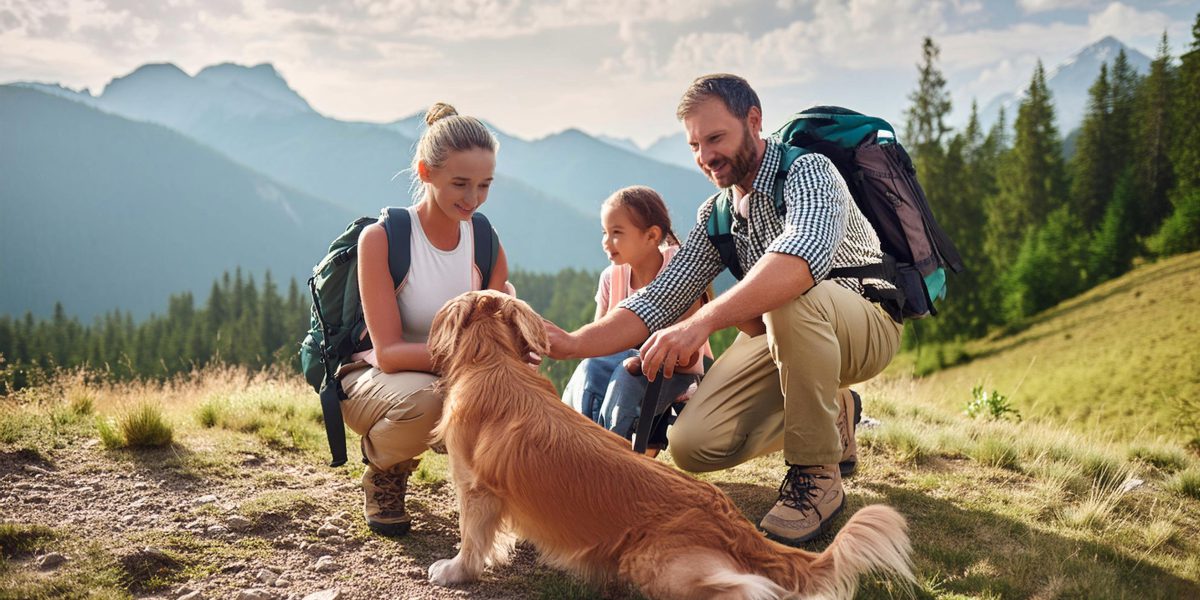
[344, 515]
[304, 545]
[282, 582]
[255, 594]
[183, 590]
[140, 485]
[330, 594]
[92, 443]
[126, 519]
[37, 470]
[238, 522]
[51, 560]
[370, 559]
[154, 552]
[1132, 484]
[208, 499]
[325, 564]
[233, 567]
[319, 549]
[217, 530]
[87, 489]
[191, 596]
[336, 539]
[328, 530]
[339, 523]
[267, 577]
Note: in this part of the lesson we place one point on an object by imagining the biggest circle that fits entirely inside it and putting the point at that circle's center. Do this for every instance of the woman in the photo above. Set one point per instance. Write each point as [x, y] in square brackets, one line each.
[392, 402]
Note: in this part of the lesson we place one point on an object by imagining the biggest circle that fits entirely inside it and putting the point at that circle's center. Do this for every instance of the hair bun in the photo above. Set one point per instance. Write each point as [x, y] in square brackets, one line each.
[440, 110]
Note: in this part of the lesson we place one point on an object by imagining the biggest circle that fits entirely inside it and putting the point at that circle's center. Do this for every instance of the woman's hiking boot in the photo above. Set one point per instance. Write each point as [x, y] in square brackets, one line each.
[810, 498]
[383, 502]
[849, 414]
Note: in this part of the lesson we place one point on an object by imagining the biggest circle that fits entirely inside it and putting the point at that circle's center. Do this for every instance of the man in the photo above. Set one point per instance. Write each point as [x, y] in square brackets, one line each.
[803, 336]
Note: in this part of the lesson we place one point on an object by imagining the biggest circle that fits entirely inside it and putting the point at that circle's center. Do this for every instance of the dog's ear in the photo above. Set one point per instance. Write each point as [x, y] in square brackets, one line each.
[527, 324]
[445, 330]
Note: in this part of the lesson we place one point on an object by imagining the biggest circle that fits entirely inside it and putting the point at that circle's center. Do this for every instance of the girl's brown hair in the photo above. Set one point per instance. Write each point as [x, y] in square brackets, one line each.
[646, 209]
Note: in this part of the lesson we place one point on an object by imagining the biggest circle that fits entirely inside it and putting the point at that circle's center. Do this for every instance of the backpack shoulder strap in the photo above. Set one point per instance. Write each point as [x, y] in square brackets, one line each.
[487, 246]
[788, 156]
[397, 222]
[719, 231]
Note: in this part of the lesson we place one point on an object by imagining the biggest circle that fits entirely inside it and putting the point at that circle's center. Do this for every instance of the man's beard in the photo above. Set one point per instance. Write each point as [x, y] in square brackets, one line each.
[741, 163]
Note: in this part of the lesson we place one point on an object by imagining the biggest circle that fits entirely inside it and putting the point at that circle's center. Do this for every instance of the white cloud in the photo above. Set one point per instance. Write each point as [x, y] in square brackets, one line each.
[1126, 22]
[1037, 6]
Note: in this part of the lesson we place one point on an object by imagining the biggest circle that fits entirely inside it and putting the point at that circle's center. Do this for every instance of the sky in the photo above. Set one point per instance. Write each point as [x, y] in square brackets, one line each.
[613, 67]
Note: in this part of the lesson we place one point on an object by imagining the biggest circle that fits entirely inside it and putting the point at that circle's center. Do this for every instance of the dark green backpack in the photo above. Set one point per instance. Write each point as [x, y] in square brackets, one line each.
[337, 328]
[883, 182]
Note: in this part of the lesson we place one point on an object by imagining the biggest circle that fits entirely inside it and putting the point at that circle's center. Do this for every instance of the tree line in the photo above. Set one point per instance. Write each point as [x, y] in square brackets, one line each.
[1034, 227]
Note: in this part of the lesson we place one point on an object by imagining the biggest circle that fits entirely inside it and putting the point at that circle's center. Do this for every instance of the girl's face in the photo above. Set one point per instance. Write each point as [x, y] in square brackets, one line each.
[460, 186]
[623, 241]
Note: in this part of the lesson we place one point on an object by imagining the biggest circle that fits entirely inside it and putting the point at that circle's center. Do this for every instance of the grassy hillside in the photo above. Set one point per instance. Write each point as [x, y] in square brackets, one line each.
[1120, 360]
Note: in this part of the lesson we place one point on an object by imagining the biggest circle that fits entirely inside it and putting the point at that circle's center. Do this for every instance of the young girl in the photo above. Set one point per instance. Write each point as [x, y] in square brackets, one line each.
[639, 242]
[392, 400]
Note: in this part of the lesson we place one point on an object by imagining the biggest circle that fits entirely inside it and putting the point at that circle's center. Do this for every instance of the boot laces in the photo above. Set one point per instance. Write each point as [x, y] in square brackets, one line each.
[800, 489]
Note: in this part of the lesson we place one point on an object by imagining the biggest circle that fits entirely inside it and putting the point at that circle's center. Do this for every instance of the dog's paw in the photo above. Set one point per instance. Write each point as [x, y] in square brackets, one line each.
[447, 571]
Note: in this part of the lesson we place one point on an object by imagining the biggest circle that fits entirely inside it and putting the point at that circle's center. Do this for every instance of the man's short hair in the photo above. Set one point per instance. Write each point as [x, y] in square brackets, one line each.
[734, 91]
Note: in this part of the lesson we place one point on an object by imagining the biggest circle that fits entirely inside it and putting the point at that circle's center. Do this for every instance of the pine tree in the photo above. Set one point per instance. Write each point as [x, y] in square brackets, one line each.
[925, 123]
[1185, 143]
[1112, 249]
[1032, 179]
[1095, 156]
[1153, 176]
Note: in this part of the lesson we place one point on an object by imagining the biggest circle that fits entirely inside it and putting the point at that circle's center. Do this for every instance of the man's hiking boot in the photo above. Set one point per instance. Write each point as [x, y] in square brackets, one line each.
[810, 497]
[849, 414]
[383, 503]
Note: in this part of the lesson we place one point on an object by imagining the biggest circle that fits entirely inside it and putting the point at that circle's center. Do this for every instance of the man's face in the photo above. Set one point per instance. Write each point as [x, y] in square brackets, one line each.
[723, 145]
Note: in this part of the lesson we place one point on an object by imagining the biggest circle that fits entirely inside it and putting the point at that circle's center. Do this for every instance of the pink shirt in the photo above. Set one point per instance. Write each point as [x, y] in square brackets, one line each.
[615, 287]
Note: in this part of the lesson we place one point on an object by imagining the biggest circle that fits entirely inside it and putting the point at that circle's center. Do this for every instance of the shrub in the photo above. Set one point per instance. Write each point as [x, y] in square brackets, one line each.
[108, 434]
[995, 451]
[1186, 483]
[145, 427]
[992, 405]
[210, 413]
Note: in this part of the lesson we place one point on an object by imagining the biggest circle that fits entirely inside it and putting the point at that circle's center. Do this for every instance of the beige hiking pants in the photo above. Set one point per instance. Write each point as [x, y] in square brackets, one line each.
[779, 390]
[393, 412]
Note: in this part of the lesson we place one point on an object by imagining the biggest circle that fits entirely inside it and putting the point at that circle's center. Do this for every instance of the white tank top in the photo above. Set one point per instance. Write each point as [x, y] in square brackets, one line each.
[434, 277]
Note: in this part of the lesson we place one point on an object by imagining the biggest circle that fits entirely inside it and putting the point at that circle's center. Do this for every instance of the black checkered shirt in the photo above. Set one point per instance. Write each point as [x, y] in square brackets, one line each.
[822, 225]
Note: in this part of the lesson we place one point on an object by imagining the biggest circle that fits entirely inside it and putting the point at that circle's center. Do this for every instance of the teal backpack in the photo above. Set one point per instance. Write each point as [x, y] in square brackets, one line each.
[337, 328]
[883, 182]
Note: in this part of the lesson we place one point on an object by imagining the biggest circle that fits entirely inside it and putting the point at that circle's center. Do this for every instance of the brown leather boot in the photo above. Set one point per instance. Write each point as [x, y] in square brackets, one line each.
[849, 411]
[383, 502]
[810, 497]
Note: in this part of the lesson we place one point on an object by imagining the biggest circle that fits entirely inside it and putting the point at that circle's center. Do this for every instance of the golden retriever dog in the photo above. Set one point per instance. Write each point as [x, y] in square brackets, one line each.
[525, 465]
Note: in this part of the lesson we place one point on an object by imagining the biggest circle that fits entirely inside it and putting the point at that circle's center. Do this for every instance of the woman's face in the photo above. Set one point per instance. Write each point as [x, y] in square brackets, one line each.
[460, 185]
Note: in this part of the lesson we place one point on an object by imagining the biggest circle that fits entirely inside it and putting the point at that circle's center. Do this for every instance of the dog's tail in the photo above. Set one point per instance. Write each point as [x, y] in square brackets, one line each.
[743, 585]
[875, 539]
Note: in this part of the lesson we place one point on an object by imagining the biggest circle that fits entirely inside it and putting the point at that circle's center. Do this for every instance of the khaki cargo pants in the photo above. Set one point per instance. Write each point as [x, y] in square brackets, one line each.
[779, 390]
[393, 412]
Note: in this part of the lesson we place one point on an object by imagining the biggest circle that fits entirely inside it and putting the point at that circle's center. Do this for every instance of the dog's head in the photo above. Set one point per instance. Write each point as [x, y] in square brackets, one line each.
[483, 328]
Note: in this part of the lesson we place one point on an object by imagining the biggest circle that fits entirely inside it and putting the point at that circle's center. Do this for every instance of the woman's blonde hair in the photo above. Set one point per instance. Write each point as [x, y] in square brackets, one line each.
[447, 131]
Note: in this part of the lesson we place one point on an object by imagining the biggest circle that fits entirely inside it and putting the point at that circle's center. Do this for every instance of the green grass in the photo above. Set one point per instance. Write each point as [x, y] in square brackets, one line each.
[1119, 360]
[1186, 483]
[18, 539]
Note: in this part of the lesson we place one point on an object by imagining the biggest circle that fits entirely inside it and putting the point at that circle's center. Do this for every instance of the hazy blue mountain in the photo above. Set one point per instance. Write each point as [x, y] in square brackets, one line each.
[625, 144]
[100, 212]
[673, 150]
[1068, 83]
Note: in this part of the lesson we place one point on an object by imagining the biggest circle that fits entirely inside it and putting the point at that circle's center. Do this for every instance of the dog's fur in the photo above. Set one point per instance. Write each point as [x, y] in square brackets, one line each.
[525, 464]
